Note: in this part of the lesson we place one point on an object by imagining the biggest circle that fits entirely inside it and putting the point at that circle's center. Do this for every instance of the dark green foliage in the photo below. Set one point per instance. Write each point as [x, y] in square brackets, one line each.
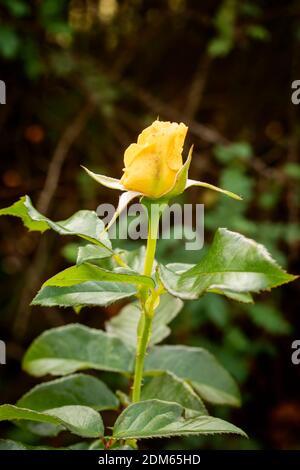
[224, 64]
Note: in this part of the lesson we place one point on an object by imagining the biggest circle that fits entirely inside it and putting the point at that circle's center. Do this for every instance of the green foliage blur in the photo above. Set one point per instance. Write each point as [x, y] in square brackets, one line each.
[83, 77]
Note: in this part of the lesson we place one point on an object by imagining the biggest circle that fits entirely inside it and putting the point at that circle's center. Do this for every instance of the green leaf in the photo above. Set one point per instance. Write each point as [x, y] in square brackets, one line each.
[8, 444]
[233, 263]
[224, 22]
[155, 418]
[66, 349]
[268, 318]
[106, 181]
[80, 420]
[17, 8]
[198, 367]
[202, 184]
[88, 272]
[220, 46]
[81, 445]
[97, 445]
[88, 294]
[88, 284]
[258, 32]
[91, 252]
[9, 42]
[235, 151]
[70, 250]
[244, 297]
[180, 268]
[135, 259]
[292, 170]
[84, 223]
[168, 387]
[124, 325]
[30, 217]
[78, 389]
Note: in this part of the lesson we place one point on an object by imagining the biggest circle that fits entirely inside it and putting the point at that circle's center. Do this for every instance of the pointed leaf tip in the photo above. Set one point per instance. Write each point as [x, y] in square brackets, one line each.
[202, 184]
[157, 418]
[106, 181]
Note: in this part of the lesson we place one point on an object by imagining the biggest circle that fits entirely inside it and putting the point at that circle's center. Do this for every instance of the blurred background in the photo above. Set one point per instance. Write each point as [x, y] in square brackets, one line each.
[83, 78]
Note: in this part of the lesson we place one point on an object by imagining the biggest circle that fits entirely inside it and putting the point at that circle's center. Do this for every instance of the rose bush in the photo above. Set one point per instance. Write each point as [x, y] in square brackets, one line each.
[167, 386]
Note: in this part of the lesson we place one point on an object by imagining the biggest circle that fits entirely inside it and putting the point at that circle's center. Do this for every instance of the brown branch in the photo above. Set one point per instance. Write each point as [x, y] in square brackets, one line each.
[205, 133]
[71, 133]
[197, 87]
[160, 108]
[35, 270]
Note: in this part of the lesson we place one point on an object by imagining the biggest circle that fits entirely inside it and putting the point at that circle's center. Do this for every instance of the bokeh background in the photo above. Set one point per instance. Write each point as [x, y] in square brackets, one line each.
[83, 78]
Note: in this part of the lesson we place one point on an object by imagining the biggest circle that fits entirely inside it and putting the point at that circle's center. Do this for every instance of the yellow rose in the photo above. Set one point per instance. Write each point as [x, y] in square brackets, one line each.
[151, 165]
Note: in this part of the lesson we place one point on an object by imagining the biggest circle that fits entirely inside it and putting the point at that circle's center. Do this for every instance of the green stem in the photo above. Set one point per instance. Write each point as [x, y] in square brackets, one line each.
[119, 261]
[145, 323]
[151, 247]
[145, 327]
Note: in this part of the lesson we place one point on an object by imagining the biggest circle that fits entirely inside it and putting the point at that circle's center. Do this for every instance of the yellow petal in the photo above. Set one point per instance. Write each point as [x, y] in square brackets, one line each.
[151, 165]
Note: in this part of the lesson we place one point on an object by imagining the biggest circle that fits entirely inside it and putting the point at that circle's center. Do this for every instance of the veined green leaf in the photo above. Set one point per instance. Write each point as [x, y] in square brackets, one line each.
[88, 272]
[29, 215]
[233, 264]
[80, 420]
[66, 349]
[124, 325]
[77, 389]
[180, 268]
[86, 294]
[156, 418]
[88, 284]
[244, 297]
[168, 387]
[91, 252]
[134, 259]
[199, 368]
[85, 224]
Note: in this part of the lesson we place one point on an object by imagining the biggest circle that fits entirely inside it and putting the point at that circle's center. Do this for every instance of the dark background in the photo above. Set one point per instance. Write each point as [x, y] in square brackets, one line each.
[83, 78]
